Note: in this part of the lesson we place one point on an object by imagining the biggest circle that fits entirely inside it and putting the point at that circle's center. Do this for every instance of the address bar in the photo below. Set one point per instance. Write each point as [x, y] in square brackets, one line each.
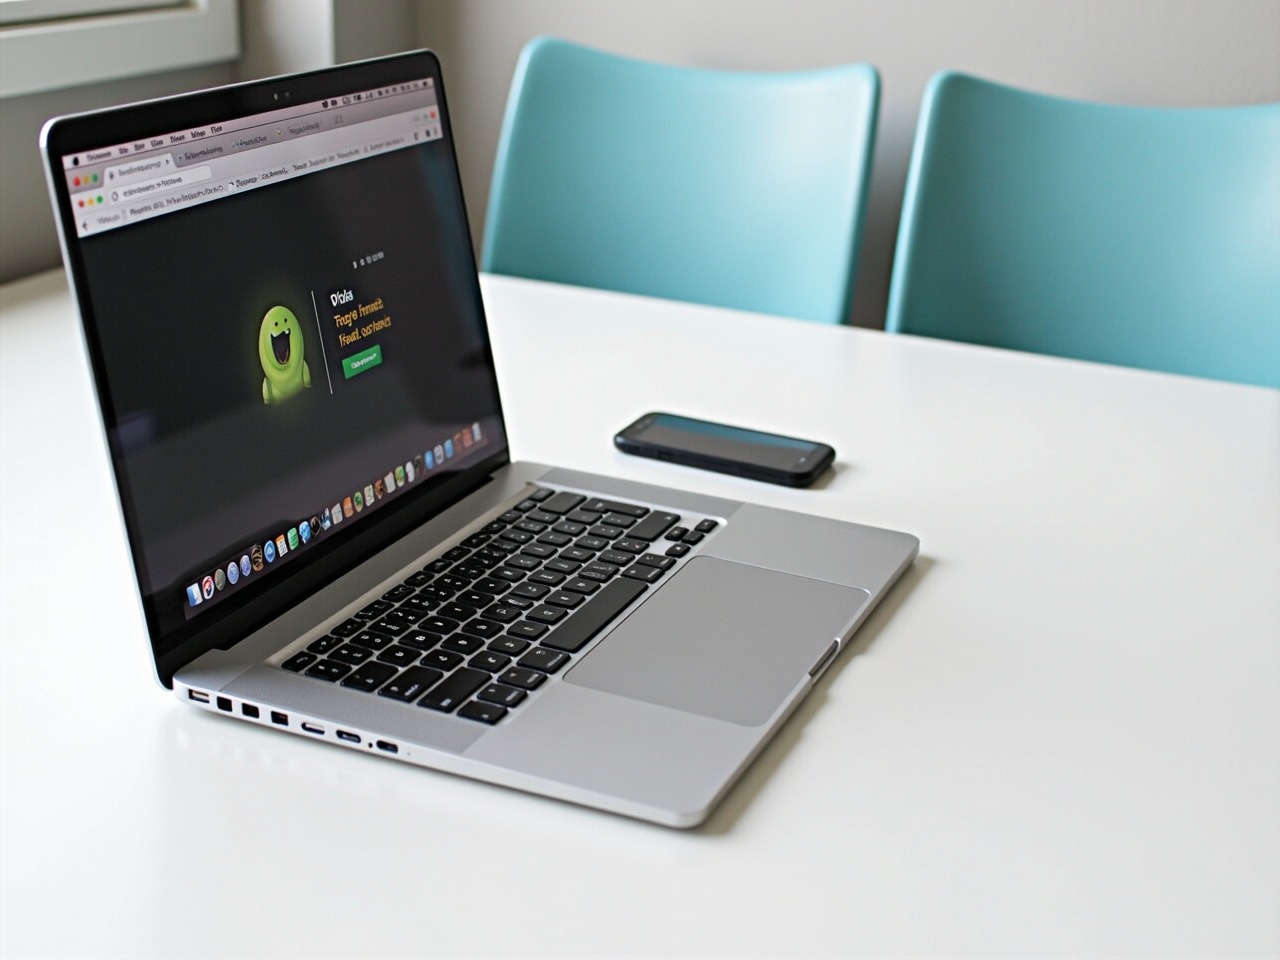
[170, 181]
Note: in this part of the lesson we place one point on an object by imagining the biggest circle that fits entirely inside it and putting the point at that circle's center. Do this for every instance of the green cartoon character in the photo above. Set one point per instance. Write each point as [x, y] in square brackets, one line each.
[280, 352]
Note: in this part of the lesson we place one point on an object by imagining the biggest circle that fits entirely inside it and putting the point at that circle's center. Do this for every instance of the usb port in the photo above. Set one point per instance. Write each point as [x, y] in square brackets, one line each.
[388, 746]
[349, 737]
[313, 728]
[199, 696]
[279, 718]
[224, 704]
[249, 710]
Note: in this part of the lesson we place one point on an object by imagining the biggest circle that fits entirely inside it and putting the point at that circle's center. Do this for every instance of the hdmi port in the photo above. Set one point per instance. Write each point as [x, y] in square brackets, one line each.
[313, 728]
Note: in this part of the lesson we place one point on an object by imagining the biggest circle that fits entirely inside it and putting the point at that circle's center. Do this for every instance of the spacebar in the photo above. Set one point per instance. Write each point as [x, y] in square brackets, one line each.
[594, 615]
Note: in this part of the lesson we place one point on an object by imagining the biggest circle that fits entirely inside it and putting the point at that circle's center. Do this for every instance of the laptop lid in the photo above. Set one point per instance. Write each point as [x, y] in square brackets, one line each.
[282, 316]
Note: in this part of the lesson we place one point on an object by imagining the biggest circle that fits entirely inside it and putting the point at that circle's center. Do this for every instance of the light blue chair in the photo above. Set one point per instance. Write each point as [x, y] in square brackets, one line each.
[1135, 236]
[742, 190]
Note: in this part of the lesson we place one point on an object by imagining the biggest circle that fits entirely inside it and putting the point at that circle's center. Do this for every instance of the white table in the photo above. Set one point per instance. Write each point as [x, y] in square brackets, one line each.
[1060, 734]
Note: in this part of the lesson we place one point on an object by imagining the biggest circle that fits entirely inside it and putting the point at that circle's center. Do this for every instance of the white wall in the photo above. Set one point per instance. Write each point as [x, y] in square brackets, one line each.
[1149, 52]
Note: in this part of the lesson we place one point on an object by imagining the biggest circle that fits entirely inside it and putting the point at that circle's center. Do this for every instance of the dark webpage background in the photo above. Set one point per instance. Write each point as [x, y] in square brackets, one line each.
[208, 468]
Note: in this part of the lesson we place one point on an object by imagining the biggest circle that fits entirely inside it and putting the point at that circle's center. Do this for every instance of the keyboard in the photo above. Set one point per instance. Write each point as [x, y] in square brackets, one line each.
[478, 629]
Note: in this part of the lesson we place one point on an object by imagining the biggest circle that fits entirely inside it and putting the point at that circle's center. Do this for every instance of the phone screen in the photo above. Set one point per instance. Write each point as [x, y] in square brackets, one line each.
[718, 446]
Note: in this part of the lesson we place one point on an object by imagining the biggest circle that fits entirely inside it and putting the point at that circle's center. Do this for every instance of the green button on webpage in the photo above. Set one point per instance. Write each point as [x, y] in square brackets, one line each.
[358, 363]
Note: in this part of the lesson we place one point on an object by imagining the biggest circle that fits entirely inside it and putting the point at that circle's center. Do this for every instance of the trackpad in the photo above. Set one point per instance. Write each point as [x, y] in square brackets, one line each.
[721, 639]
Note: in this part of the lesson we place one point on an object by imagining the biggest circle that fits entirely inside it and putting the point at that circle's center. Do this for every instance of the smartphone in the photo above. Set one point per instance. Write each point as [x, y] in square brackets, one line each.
[725, 449]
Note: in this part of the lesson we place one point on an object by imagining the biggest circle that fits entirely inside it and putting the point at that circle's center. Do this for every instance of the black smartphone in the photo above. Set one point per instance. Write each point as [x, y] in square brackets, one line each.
[725, 449]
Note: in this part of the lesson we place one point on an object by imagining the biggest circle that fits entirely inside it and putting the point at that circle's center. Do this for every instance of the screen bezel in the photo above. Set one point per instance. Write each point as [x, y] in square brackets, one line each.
[239, 616]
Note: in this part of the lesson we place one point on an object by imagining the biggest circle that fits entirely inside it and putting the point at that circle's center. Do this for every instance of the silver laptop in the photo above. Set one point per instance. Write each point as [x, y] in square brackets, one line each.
[281, 309]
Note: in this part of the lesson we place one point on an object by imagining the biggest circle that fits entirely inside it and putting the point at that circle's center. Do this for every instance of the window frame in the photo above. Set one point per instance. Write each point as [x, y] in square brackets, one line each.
[89, 48]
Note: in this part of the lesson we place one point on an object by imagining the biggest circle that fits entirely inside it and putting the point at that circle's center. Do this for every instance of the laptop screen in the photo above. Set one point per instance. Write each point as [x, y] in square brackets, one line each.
[281, 306]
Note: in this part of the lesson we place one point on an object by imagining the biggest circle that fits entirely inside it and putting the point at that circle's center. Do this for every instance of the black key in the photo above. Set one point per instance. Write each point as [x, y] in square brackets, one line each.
[692, 536]
[510, 517]
[396, 594]
[436, 624]
[374, 641]
[631, 545]
[373, 610]
[487, 558]
[540, 658]
[474, 598]
[520, 603]
[613, 506]
[706, 526]
[352, 654]
[489, 713]
[419, 579]
[454, 554]
[470, 570]
[562, 566]
[653, 560]
[595, 614]
[618, 520]
[449, 693]
[534, 590]
[418, 640]
[602, 572]
[546, 614]
[544, 578]
[527, 630]
[370, 677]
[516, 536]
[678, 550]
[501, 695]
[509, 574]
[509, 645]
[526, 505]
[462, 643]
[456, 611]
[417, 608]
[654, 525]
[539, 494]
[441, 660]
[592, 543]
[584, 516]
[539, 550]
[299, 661]
[488, 660]
[676, 533]
[476, 540]
[561, 502]
[348, 627]
[578, 555]
[501, 613]
[541, 517]
[435, 593]
[641, 571]
[578, 585]
[450, 581]
[328, 670]
[606, 531]
[324, 644]
[523, 678]
[399, 656]
[411, 684]
[437, 566]
[570, 528]
[485, 629]
[531, 526]
[617, 558]
[391, 627]
[497, 526]
[555, 539]
[524, 563]
[563, 598]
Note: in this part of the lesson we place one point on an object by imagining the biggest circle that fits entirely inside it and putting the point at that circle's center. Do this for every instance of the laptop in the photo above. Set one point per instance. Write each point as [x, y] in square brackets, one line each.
[282, 314]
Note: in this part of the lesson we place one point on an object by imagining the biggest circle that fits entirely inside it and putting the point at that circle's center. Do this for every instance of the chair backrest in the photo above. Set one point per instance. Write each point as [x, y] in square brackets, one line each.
[736, 189]
[1136, 236]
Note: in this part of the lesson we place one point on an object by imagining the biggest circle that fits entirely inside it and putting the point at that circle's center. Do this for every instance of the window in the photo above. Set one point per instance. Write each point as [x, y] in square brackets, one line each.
[49, 44]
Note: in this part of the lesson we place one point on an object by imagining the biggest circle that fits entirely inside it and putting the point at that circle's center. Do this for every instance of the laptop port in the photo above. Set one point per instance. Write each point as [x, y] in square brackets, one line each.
[313, 728]
[348, 736]
[279, 718]
[199, 696]
[249, 710]
[388, 746]
[224, 704]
